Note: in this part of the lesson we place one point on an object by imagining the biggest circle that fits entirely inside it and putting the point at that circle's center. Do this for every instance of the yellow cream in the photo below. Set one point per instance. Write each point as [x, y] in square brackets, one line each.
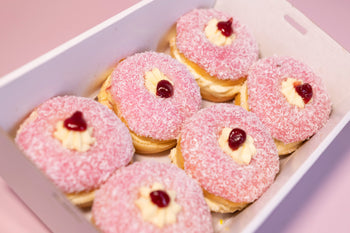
[151, 212]
[152, 78]
[217, 88]
[244, 153]
[206, 82]
[74, 140]
[288, 90]
[215, 36]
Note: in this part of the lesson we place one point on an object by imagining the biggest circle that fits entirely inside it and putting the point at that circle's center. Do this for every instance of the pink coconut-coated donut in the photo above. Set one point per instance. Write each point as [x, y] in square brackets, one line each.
[229, 62]
[114, 208]
[71, 170]
[216, 171]
[146, 114]
[286, 122]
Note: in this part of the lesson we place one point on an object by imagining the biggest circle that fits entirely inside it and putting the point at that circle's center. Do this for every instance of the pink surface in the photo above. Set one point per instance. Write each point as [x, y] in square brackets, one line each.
[154, 117]
[318, 203]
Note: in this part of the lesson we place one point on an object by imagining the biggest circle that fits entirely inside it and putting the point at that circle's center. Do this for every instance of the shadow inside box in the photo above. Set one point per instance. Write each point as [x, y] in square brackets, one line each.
[294, 203]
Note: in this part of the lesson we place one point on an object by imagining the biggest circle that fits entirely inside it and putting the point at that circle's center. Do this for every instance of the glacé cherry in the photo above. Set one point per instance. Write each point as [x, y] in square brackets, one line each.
[236, 138]
[160, 198]
[164, 89]
[76, 122]
[305, 91]
[225, 27]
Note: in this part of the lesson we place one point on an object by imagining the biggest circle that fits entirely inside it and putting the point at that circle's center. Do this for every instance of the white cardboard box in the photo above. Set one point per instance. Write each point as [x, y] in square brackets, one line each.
[77, 66]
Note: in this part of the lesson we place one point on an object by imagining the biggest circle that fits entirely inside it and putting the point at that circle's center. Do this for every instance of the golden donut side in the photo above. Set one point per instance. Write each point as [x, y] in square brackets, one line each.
[82, 199]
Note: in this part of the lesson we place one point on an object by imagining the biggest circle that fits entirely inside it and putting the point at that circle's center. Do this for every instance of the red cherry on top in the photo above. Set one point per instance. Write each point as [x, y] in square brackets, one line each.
[305, 91]
[236, 138]
[164, 89]
[76, 122]
[160, 198]
[225, 27]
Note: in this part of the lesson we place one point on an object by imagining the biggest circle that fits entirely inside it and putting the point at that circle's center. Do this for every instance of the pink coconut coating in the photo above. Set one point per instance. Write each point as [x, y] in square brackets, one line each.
[215, 170]
[229, 62]
[70, 170]
[286, 122]
[114, 208]
[145, 113]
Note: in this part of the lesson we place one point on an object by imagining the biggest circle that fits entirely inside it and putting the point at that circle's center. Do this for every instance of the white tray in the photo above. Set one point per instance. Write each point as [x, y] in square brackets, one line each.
[77, 67]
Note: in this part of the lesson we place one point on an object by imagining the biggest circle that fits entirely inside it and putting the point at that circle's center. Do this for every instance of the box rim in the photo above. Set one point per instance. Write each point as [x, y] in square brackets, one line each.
[76, 40]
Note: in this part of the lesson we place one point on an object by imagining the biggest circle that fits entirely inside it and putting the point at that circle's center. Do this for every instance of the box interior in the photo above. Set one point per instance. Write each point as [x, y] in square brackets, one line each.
[79, 66]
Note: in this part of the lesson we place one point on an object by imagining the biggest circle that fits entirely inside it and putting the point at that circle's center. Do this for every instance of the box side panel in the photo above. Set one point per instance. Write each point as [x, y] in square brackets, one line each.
[280, 29]
[80, 65]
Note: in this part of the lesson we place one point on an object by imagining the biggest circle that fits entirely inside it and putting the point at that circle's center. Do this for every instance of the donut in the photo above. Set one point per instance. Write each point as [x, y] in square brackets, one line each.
[217, 49]
[289, 98]
[230, 153]
[77, 142]
[153, 94]
[150, 197]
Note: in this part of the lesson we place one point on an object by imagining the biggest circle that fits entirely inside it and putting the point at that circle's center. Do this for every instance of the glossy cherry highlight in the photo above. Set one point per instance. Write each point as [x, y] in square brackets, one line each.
[164, 89]
[225, 27]
[160, 198]
[236, 138]
[305, 91]
[76, 122]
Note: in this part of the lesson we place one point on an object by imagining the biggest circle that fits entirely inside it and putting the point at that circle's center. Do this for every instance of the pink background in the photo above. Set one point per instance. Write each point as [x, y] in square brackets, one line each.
[318, 203]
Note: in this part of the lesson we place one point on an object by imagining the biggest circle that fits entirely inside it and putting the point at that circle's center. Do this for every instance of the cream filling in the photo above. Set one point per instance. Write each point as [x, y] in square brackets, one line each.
[288, 90]
[152, 78]
[244, 153]
[207, 82]
[215, 36]
[151, 212]
[75, 140]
